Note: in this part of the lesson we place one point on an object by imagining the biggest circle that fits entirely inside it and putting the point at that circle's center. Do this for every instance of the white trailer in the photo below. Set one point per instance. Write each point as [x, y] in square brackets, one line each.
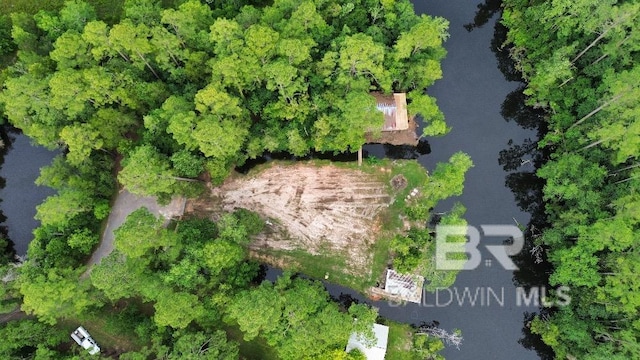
[82, 337]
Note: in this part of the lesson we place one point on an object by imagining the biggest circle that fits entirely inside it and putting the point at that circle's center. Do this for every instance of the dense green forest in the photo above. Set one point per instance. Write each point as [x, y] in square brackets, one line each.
[289, 77]
[580, 61]
[169, 95]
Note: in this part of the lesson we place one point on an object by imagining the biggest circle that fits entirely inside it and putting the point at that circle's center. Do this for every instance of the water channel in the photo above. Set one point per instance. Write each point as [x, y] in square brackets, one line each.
[20, 163]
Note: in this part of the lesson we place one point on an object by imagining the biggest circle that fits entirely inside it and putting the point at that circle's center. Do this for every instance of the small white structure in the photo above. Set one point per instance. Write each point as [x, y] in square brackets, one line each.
[375, 352]
[403, 286]
[82, 337]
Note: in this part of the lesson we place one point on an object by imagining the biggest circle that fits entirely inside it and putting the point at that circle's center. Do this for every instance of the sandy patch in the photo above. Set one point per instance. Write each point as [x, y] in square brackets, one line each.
[320, 209]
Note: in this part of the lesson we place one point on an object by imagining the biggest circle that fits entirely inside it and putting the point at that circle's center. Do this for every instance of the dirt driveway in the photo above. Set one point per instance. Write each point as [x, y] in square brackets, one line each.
[124, 205]
[319, 209]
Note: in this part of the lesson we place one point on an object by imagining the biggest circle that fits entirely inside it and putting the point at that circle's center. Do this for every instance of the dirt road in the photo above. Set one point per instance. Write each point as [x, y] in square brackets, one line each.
[16, 314]
[124, 205]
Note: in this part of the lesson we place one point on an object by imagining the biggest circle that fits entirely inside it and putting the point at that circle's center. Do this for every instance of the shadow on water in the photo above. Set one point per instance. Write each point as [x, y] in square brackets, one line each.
[7, 248]
[505, 64]
[485, 12]
[394, 152]
[534, 269]
[252, 163]
[379, 151]
[521, 161]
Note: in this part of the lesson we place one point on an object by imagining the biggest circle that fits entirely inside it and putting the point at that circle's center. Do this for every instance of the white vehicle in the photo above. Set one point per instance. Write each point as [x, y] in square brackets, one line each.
[82, 337]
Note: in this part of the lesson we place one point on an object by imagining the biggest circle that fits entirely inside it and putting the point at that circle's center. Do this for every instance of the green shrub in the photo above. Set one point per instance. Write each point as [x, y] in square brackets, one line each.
[187, 164]
[250, 220]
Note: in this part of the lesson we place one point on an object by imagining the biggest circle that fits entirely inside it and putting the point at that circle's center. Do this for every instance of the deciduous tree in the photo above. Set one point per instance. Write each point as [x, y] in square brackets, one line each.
[55, 295]
[285, 313]
[177, 309]
[147, 172]
[142, 232]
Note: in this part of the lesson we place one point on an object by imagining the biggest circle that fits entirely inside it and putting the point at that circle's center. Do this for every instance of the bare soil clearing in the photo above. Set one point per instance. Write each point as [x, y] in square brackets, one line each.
[319, 209]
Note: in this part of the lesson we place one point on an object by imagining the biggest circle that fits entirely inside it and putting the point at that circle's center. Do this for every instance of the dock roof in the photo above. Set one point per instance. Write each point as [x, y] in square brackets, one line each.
[394, 108]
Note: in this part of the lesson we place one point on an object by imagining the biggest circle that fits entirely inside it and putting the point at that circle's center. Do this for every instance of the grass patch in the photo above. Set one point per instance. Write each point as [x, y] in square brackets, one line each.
[416, 177]
[113, 328]
[317, 266]
[256, 349]
[380, 259]
[399, 342]
[404, 344]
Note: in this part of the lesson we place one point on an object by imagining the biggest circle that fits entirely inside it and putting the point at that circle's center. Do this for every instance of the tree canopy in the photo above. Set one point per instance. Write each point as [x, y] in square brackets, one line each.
[294, 316]
[222, 86]
[580, 61]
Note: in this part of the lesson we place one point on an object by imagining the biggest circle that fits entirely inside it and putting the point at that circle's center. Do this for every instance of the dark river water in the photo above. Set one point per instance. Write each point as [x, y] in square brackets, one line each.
[489, 123]
[492, 125]
[471, 94]
[20, 166]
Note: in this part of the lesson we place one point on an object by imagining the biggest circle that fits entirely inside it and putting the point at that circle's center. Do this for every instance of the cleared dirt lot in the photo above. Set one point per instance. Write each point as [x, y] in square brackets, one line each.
[318, 209]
